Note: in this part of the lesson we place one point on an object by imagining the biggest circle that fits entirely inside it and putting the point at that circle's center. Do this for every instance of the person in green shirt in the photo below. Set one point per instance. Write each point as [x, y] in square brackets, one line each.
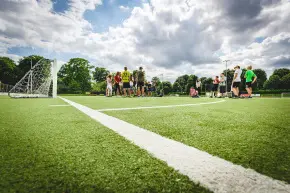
[251, 78]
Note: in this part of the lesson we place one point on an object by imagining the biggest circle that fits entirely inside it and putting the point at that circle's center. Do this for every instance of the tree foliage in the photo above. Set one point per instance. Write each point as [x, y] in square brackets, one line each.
[167, 87]
[285, 81]
[281, 72]
[176, 87]
[156, 79]
[182, 81]
[8, 71]
[261, 77]
[100, 74]
[75, 76]
[274, 82]
[24, 64]
[99, 87]
[191, 82]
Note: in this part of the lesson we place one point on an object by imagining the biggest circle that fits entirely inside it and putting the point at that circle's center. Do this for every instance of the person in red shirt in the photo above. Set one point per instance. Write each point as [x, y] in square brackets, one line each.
[117, 79]
[193, 93]
[216, 82]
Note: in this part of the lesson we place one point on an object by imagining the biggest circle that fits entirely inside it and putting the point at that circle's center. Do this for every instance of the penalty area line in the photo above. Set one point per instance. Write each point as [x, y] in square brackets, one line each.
[159, 107]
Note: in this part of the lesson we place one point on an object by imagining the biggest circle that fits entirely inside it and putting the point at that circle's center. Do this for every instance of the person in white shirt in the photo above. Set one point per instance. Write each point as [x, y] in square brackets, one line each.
[237, 81]
[198, 85]
[223, 80]
[109, 86]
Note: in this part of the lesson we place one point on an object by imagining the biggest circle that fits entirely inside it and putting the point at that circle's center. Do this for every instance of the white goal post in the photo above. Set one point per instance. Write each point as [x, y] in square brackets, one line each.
[39, 82]
[285, 94]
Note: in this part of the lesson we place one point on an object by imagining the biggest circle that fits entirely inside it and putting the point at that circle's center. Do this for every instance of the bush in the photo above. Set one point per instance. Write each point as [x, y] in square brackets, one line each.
[270, 91]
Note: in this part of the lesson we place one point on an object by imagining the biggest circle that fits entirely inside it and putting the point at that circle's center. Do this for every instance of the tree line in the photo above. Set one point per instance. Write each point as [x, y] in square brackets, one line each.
[79, 76]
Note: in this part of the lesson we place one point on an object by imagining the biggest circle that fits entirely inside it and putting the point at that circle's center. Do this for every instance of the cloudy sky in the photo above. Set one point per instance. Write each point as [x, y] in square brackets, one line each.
[172, 37]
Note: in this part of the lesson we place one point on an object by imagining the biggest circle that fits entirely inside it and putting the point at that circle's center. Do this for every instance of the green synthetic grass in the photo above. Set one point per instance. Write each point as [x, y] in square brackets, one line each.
[96, 102]
[253, 133]
[59, 149]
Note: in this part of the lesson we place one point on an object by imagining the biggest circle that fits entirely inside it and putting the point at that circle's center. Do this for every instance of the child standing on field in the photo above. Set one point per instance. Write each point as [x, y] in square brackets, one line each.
[109, 86]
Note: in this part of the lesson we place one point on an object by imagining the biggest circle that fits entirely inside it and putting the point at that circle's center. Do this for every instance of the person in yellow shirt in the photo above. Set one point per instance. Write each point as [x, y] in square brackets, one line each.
[126, 81]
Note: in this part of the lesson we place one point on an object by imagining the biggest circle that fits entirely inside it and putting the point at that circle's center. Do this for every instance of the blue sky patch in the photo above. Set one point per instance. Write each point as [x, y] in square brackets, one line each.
[109, 14]
[259, 39]
[60, 6]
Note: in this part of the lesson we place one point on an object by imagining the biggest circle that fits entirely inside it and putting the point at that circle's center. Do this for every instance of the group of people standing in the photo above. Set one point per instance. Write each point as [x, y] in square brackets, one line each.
[250, 77]
[219, 86]
[125, 84]
[219, 83]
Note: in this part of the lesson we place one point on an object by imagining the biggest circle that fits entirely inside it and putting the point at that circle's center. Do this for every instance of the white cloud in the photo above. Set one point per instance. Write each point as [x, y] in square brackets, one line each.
[124, 8]
[172, 39]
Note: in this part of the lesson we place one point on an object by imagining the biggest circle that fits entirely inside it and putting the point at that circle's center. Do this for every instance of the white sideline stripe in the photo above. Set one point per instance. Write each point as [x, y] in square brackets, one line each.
[212, 172]
[158, 107]
[59, 105]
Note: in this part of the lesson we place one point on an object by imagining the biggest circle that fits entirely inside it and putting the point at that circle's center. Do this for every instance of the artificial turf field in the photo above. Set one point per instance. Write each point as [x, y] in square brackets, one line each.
[59, 149]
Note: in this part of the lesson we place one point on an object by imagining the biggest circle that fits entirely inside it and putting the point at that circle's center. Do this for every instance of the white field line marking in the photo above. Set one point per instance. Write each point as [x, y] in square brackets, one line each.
[216, 174]
[59, 105]
[158, 107]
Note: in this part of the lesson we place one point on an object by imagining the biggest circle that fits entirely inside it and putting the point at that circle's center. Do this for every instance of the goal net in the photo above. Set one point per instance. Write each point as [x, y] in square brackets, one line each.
[38, 82]
[285, 95]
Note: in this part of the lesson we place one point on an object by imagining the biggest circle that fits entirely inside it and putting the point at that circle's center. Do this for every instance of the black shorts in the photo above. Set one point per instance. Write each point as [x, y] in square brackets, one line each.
[140, 84]
[126, 85]
[215, 87]
[248, 84]
[222, 89]
[236, 84]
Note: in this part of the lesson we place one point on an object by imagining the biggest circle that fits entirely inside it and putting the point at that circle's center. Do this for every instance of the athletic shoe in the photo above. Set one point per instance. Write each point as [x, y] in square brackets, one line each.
[250, 97]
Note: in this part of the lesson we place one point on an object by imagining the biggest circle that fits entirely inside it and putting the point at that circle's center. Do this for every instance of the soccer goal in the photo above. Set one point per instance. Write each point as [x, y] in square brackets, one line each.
[285, 95]
[39, 82]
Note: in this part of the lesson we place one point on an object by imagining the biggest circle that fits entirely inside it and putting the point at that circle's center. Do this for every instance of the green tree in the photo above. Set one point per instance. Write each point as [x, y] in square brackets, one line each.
[176, 87]
[191, 82]
[207, 84]
[100, 74]
[167, 87]
[262, 77]
[7, 71]
[285, 81]
[75, 76]
[156, 79]
[182, 80]
[24, 64]
[99, 87]
[274, 82]
[281, 72]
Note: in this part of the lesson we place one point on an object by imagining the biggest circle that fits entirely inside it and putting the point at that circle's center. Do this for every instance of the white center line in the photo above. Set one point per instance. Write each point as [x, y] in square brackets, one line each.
[158, 107]
[212, 172]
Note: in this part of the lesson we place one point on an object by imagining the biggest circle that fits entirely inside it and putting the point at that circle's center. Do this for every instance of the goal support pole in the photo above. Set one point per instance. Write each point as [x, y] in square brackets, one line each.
[54, 79]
